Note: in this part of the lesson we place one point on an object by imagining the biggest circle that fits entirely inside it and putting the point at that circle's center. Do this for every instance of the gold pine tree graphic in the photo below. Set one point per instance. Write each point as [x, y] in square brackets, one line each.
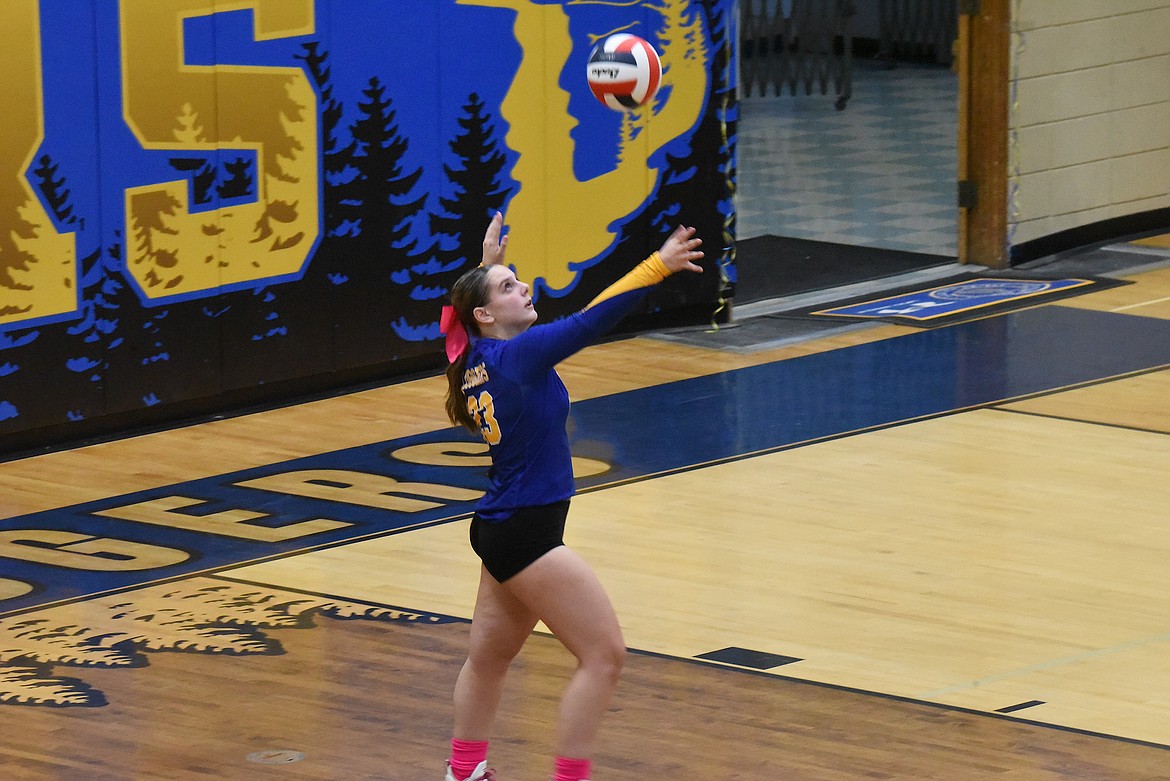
[200, 615]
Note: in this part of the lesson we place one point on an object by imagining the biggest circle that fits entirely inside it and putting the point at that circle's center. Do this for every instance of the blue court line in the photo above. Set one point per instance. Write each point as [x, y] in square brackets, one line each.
[637, 433]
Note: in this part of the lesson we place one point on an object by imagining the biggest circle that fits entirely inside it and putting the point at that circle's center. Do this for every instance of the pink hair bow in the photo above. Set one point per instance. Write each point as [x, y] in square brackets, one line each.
[451, 326]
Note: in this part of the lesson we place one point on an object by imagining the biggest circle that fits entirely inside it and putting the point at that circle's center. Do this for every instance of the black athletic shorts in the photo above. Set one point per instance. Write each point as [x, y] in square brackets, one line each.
[506, 547]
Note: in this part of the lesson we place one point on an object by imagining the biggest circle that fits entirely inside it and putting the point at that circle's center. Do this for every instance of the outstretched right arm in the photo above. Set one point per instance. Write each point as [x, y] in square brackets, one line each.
[542, 347]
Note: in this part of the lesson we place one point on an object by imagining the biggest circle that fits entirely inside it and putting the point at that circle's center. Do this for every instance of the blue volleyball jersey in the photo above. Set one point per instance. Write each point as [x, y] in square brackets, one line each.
[516, 396]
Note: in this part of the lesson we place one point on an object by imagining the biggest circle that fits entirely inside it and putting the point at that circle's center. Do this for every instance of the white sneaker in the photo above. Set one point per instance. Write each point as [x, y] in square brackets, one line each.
[482, 773]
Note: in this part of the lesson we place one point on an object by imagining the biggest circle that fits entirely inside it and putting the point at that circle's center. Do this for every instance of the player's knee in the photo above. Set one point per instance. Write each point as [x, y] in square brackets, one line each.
[618, 660]
[609, 661]
[486, 659]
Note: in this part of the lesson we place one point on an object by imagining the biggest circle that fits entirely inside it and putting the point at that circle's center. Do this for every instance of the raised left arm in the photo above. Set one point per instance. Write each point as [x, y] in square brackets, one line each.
[494, 245]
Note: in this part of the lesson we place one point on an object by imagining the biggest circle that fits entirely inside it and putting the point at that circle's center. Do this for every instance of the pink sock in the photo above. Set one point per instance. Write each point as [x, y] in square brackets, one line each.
[572, 769]
[466, 756]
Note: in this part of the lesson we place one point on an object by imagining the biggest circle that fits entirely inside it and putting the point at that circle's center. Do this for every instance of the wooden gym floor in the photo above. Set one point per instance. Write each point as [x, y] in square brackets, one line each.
[891, 553]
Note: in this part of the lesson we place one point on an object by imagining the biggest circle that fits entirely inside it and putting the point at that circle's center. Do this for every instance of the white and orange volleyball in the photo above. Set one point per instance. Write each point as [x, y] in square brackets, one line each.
[624, 71]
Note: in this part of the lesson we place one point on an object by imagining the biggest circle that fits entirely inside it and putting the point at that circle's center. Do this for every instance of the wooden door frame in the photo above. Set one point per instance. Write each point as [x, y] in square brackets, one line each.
[983, 60]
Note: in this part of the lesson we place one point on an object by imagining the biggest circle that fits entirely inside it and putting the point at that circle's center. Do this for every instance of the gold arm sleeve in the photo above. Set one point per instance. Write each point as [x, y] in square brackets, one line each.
[649, 272]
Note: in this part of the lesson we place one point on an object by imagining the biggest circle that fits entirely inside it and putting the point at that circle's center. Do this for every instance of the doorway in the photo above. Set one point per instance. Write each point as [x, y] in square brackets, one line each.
[865, 161]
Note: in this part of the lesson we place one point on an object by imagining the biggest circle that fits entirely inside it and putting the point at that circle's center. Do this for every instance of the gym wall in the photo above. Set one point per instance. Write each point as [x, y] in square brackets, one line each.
[209, 204]
[1089, 142]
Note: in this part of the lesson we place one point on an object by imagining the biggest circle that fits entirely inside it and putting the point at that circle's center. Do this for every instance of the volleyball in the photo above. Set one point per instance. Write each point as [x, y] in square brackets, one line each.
[624, 71]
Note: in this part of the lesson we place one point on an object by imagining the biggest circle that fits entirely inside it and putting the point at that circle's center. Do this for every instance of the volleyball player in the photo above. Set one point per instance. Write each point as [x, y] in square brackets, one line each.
[502, 385]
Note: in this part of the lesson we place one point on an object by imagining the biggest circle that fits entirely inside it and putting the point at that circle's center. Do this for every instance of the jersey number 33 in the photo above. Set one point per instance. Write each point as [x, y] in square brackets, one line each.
[483, 410]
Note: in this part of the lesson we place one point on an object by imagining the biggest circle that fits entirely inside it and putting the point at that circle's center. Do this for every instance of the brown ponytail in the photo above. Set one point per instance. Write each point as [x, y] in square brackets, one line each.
[456, 402]
[469, 292]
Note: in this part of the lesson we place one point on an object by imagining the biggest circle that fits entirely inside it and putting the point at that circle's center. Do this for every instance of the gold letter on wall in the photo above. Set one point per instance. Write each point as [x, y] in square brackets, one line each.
[172, 106]
[38, 270]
